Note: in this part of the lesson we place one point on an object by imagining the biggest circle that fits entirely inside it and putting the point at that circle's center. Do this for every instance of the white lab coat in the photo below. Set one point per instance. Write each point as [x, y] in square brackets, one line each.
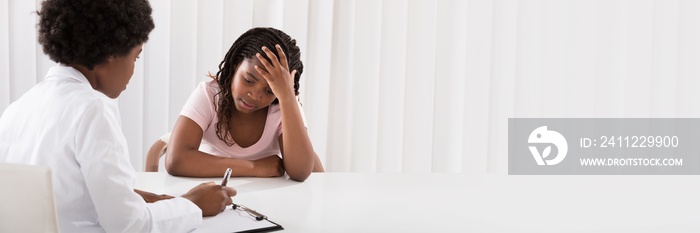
[63, 123]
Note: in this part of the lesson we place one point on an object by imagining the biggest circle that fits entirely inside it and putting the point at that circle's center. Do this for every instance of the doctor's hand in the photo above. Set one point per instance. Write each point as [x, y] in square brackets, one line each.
[152, 197]
[210, 197]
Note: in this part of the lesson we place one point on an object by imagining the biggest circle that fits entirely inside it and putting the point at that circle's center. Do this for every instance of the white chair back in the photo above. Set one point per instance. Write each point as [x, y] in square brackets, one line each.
[27, 199]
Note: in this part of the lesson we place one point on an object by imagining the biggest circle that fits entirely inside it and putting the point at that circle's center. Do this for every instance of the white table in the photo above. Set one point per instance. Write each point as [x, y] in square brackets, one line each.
[439, 202]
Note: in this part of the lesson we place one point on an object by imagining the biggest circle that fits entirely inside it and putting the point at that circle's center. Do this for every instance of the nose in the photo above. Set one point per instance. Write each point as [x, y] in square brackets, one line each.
[256, 96]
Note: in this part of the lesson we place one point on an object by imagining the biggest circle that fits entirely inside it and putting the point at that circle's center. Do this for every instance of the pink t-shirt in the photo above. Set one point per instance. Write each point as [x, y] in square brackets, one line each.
[200, 108]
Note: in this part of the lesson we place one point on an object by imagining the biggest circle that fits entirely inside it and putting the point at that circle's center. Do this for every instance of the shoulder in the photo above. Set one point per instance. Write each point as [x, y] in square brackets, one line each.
[201, 105]
[96, 104]
[68, 87]
[210, 86]
[208, 89]
[80, 98]
[205, 92]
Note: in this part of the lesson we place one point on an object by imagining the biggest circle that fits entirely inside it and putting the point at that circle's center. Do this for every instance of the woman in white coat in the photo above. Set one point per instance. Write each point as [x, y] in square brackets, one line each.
[71, 123]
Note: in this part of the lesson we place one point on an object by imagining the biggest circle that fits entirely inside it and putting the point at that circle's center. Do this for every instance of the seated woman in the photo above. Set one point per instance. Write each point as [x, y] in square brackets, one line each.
[247, 117]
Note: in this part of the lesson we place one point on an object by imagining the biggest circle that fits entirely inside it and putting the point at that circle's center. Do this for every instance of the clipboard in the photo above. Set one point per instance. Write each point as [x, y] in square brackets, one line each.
[238, 219]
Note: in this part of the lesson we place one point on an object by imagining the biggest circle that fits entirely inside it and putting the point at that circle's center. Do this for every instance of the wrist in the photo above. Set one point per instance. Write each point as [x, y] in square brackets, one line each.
[249, 167]
[287, 99]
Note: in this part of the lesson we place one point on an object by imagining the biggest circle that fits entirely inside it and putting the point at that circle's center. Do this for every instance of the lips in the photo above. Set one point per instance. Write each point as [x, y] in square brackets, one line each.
[245, 105]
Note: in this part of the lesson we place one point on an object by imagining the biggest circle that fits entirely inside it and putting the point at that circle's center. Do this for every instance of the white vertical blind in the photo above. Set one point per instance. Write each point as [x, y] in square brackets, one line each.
[664, 69]
[364, 87]
[238, 17]
[580, 59]
[688, 59]
[638, 58]
[183, 55]
[390, 131]
[210, 35]
[317, 74]
[420, 81]
[608, 64]
[478, 39]
[5, 98]
[450, 85]
[22, 50]
[409, 85]
[502, 91]
[339, 106]
[268, 13]
[156, 58]
[295, 22]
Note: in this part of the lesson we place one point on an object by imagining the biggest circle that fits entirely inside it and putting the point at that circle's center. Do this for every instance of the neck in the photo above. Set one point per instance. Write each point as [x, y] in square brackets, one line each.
[248, 116]
[89, 74]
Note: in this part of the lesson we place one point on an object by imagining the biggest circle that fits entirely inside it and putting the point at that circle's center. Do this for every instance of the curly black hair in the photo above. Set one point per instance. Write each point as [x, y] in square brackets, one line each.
[246, 46]
[88, 32]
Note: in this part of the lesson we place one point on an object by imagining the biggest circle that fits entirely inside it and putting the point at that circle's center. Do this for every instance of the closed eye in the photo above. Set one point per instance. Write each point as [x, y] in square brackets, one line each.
[247, 80]
[269, 92]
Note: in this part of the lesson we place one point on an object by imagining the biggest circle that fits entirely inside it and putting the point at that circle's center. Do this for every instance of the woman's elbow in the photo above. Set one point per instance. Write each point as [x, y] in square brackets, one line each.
[173, 165]
[299, 176]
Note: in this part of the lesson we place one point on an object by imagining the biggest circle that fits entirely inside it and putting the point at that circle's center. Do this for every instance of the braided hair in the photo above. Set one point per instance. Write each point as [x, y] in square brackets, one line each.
[246, 46]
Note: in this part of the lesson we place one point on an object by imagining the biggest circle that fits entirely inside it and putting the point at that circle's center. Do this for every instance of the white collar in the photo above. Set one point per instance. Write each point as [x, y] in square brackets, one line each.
[66, 71]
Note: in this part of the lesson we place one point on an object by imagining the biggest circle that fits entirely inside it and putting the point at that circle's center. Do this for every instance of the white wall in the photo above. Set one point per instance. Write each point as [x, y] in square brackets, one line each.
[410, 85]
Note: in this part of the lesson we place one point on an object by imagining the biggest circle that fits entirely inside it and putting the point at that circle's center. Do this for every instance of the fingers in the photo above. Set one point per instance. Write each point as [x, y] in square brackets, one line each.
[283, 57]
[203, 185]
[280, 172]
[268, 67]
[207, 183]
[280, 168]
[230, 191]
[225, 202]
[272, 56]
[275, 62]
[222, 195]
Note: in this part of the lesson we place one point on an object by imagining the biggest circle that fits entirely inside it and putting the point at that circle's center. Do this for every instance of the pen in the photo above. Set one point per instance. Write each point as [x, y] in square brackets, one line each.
[226, 176]
[251, 212]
